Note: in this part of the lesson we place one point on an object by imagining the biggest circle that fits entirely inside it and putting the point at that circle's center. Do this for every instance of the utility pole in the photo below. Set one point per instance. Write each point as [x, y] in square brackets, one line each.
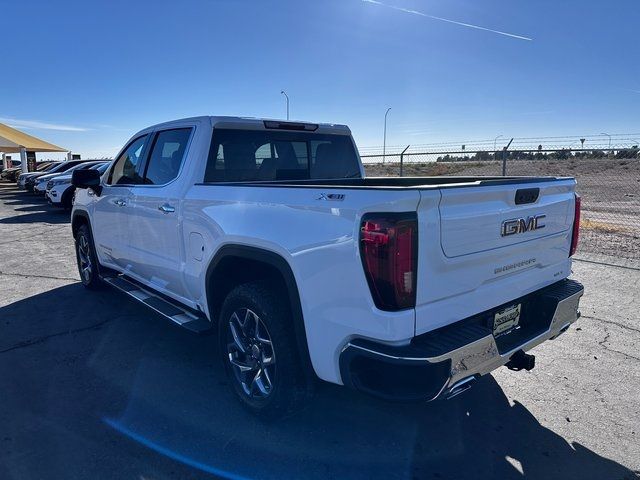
[287, 97]
[609, 153]
[384, 138]
[494, 143]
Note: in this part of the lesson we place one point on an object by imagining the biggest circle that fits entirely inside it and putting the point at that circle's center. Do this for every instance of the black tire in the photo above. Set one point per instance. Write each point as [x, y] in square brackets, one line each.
[290, 387]
[88, 266]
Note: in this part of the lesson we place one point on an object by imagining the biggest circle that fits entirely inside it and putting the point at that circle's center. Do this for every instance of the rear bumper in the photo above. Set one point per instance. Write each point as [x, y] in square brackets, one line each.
[436, 364]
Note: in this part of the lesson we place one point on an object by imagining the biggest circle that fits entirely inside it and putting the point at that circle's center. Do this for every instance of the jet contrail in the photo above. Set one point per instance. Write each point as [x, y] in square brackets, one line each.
[433, 17]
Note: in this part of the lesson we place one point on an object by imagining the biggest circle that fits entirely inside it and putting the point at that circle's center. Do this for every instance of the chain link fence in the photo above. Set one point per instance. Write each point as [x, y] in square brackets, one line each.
[608, 180]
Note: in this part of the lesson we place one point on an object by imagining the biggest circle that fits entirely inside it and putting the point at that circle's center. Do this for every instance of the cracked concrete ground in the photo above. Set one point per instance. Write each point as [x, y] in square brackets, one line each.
[92, 385]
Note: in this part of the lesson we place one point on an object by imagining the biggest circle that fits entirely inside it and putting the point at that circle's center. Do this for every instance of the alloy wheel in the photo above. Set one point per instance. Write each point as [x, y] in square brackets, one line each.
[84, 255]
[251, 354]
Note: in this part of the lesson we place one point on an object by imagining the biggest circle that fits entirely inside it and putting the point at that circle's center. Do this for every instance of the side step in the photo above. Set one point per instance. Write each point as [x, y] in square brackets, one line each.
[188, 319]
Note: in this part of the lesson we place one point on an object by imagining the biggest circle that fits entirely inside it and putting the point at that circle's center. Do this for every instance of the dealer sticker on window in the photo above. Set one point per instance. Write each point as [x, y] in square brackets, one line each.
[506, 319]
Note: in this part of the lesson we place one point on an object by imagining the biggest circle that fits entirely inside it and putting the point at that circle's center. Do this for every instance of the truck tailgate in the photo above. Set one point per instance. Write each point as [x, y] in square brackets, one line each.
[471, 218]
[479, 247]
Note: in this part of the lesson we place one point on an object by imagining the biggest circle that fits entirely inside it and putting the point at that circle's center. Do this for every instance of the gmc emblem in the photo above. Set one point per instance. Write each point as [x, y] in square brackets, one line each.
[521, 225]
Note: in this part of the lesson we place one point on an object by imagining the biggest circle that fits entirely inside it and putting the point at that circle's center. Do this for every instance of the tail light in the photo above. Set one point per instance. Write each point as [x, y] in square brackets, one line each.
[576, 227]
[389, 251]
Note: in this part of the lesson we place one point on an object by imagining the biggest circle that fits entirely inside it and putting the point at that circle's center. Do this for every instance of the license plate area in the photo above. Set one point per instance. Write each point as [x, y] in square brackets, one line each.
[506, 319]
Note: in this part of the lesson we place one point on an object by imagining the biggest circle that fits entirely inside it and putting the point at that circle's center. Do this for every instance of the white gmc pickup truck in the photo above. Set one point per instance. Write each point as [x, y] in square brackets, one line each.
[403, 288]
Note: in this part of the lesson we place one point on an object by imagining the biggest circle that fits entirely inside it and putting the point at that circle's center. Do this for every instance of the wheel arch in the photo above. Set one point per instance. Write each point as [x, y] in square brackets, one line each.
[79, 218]
[67, 202]
[255, 264]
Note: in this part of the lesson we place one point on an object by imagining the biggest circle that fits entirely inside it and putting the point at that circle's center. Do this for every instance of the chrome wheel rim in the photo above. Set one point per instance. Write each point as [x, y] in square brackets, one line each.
[250, 353]
[84, 257]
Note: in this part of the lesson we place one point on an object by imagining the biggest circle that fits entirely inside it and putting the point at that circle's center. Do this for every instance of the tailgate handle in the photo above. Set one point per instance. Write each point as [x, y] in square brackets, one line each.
[527, 195]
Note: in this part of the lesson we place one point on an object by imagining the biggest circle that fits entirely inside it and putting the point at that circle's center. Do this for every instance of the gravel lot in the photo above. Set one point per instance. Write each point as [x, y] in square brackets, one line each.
[94, 385]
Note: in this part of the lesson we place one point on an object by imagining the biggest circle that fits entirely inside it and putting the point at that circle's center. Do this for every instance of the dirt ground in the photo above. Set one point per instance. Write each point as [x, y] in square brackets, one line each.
[610, 191]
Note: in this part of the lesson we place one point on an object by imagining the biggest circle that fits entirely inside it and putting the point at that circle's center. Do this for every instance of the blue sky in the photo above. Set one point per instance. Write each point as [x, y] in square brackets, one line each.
[87, 75]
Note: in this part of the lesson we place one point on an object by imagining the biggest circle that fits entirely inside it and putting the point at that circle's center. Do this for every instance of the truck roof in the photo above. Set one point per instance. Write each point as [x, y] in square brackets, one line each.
[254, 123]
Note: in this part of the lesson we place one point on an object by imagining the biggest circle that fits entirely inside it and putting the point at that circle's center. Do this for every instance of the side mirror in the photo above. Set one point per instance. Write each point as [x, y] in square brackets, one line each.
[87, 179]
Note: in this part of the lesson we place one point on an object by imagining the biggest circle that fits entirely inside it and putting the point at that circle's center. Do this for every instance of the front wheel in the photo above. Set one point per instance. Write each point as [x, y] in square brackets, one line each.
[86, 258]
[259, 352]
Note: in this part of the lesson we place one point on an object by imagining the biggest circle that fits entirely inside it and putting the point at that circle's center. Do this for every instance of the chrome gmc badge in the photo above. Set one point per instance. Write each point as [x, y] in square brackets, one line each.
[521, 225]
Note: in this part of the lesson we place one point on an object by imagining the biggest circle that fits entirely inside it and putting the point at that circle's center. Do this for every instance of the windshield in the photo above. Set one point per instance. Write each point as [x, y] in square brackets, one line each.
[80, 166]
[102, 167]
[60, 167]
[257, 155]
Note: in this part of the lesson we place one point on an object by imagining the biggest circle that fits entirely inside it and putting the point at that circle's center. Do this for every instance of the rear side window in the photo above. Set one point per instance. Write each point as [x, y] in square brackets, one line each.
[257, 155]
[166, 156]
[124, 171]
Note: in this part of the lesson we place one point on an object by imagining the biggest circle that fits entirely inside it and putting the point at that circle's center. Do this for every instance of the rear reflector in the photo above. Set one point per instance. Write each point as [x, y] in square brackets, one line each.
[388, 247]
[576, 227]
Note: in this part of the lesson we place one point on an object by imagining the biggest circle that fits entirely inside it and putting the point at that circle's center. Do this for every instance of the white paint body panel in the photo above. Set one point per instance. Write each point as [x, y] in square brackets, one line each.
[319, 241]
[54, 195]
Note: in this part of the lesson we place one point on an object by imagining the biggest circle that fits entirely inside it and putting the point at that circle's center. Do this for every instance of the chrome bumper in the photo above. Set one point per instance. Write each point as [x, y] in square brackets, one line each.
[483, 356]
[470, 360]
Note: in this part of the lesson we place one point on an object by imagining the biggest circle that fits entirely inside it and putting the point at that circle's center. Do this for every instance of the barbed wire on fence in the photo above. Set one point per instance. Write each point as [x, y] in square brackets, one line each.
[596, 141]
[549, 152]
[608, 179]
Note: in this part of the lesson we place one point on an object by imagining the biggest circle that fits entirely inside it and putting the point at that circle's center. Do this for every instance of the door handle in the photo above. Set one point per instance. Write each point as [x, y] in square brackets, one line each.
[166, 208]
[119, 202]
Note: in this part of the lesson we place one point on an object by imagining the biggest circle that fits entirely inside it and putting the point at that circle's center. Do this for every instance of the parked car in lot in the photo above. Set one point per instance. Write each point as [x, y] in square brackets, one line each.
[59, 190]
[40, 186]
[11, 174]
[14, 173]
[31, 181]
[5, 165]
[403, 288]
[41, 169]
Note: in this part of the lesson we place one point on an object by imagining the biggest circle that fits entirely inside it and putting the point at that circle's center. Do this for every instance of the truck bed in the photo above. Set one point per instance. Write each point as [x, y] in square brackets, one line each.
[396, 182]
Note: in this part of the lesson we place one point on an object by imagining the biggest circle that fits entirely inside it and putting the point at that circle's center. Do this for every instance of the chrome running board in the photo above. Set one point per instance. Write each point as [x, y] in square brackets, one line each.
[191, 320]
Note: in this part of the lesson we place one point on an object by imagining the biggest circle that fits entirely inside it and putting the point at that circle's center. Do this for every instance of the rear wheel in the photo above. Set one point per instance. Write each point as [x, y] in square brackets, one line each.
[259, 352]
[86, 258]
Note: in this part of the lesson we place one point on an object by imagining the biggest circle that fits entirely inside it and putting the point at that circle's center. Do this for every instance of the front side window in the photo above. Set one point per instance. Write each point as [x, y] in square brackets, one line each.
[124, 171]
[255, 155]
[166, 156]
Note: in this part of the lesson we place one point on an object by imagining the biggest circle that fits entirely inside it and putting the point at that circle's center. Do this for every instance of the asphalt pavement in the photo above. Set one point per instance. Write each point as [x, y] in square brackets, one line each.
[94, 385]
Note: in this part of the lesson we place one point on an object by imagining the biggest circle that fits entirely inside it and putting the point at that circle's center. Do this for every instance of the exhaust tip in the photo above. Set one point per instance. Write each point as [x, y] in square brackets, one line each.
[459, 387]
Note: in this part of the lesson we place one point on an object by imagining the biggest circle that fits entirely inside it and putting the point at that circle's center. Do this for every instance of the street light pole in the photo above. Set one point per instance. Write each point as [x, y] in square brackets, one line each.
[609, 138]
[384, 138]
[287, 97]
[494, 142]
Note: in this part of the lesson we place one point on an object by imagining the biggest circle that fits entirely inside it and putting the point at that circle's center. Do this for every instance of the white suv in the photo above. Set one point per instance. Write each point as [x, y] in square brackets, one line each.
[59, 190]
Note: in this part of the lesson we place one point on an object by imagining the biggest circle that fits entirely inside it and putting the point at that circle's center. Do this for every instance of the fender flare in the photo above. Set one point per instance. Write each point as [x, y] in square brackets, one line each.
[80, 214]
[278, 262]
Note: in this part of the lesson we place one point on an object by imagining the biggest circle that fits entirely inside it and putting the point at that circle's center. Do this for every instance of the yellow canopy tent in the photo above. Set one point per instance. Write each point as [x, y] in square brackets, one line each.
[15, 141]
[12, 141]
